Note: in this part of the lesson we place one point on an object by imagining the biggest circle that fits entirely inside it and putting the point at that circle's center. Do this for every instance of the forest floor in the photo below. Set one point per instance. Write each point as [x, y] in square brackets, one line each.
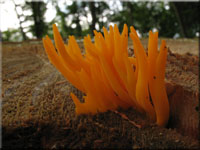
[38, 112]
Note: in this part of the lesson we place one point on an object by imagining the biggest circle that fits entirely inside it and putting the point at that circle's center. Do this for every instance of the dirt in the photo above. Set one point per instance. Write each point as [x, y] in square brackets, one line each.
[37, 111]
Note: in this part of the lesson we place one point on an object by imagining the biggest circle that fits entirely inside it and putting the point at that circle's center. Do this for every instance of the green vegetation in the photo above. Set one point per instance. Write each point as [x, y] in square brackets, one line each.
[172, 19]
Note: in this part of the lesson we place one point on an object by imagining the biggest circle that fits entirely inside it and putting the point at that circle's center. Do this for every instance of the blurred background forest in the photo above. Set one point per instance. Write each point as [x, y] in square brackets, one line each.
[35, 18]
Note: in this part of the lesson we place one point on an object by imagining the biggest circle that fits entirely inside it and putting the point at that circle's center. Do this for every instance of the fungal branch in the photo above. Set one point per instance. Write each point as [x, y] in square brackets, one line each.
[109, 77]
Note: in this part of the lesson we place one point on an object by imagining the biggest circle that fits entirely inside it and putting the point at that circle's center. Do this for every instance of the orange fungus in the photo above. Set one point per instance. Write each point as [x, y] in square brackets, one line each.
[109, 77]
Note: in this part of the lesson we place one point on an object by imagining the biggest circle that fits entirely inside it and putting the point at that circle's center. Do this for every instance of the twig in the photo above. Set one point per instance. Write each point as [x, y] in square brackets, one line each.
[126, 118]
[61, 82]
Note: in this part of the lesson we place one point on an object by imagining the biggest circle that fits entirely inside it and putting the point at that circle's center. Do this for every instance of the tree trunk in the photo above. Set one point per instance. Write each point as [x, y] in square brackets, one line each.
[20, 22]
[93, 13]
[177, 13]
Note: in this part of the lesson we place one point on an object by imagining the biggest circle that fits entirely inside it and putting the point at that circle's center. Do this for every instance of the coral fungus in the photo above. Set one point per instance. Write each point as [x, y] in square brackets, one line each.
[109, 77]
